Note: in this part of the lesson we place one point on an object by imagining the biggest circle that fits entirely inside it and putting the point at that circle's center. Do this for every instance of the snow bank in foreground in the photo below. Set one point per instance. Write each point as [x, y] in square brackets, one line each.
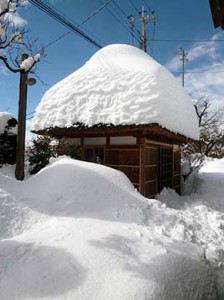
[119, 85]
[80, 231]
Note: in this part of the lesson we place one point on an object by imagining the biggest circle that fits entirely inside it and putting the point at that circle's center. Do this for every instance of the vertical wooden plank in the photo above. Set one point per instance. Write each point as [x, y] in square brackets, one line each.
[142, 149]
[176, 184]
[151, 169]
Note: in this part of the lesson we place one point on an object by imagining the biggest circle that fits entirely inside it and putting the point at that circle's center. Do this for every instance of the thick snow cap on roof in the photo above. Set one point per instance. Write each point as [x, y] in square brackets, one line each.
[119, 85]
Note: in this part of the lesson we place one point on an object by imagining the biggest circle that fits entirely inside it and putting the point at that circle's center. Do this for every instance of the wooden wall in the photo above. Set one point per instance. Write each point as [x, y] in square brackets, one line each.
[150, 166]
[151, 182]
[126, 159]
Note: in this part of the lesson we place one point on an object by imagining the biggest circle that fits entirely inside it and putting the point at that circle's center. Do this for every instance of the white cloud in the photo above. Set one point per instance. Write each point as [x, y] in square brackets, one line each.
[204, 71]
[206, 83]
[200, 51]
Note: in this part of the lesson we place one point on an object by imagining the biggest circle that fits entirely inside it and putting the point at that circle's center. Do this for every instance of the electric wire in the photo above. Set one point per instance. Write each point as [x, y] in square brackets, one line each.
[201, 71]
[58, 17]
[80, 24]
[187, 41]
[147, 5]
[151, 42]
[133, 5]
[153, 37]
[30, 113]
[126, 28]
[123, 12]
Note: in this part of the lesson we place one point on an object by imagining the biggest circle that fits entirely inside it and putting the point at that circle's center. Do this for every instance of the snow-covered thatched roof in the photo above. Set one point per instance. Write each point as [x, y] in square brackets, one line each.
[119, 85]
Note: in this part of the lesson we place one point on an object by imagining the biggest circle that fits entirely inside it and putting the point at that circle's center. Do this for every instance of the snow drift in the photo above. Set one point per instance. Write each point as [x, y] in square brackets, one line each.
[78, 230]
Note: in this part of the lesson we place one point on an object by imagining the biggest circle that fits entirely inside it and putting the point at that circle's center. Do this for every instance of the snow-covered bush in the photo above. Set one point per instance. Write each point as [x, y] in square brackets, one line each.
[190, 165]
[210, 144]
[8, 136]
[211, 121]
[66, 147]
[39, 153]
[43, 148]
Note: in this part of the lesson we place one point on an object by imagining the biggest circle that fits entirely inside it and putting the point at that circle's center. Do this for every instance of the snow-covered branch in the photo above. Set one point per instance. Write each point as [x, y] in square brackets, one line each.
[211, 120]
[14, 40]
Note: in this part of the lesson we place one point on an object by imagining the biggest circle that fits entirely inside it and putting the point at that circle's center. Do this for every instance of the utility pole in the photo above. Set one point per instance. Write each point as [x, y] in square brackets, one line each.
[183, 58]
[20, 149]
[145, 19]
[21, 131]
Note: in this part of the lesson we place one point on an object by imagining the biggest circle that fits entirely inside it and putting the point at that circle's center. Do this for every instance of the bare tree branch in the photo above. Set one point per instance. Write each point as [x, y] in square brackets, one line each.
[211, 122]
[8, 66]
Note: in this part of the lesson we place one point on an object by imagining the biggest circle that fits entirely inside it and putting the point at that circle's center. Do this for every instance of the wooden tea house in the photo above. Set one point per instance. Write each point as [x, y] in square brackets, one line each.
[127, 112]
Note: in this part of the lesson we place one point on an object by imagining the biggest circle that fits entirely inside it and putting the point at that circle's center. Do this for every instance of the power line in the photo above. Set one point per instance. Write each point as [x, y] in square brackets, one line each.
[126, 28]
[32, 112]
[137, 33]
[147, 5]
[202, 71]
[133, 5]
[153, 37]
[80, 24]
[58, 17]
[189, 41]
[96, 12]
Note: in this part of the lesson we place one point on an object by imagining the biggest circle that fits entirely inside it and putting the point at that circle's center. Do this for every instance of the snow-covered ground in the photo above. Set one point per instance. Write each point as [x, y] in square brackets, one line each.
[81, 231]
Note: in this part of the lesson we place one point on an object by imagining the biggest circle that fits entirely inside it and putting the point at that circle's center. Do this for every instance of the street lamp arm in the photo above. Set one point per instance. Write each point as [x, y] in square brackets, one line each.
[4, 59]
[19, 70]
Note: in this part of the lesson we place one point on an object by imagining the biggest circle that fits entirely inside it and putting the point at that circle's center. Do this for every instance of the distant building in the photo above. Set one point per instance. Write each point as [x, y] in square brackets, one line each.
[217, 10]
[127, 112]
[8, 137]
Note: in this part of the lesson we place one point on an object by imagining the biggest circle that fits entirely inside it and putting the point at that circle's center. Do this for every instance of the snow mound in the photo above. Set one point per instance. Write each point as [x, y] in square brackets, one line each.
[210, 183]
[91, 190]
[213, 166]
[119, 85]
[86, 233]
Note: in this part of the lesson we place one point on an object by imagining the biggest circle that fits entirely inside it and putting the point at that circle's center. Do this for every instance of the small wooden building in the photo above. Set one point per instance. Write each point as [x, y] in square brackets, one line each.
[126, 112]
[148, 155]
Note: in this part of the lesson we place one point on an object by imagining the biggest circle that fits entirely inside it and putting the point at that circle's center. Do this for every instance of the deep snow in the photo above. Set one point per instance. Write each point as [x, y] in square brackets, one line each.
[119, 85]
[79, 230]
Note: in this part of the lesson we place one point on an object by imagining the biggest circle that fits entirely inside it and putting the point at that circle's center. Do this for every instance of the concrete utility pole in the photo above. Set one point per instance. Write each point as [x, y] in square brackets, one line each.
[20, 149]
[184, 59]
[145, 19]
[21, 131]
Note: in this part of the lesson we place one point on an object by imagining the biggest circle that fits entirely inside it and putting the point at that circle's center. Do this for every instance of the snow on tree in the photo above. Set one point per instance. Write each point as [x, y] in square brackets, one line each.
[39, 153]
[8, 134]
[211, 142]
[211, 121]
[13, 39]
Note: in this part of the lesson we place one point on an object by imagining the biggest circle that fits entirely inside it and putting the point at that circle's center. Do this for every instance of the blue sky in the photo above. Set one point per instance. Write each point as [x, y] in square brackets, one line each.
[179, 22]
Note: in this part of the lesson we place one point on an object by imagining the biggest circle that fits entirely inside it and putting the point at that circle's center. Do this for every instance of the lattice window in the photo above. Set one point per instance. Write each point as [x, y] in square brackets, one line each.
[165, 167]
